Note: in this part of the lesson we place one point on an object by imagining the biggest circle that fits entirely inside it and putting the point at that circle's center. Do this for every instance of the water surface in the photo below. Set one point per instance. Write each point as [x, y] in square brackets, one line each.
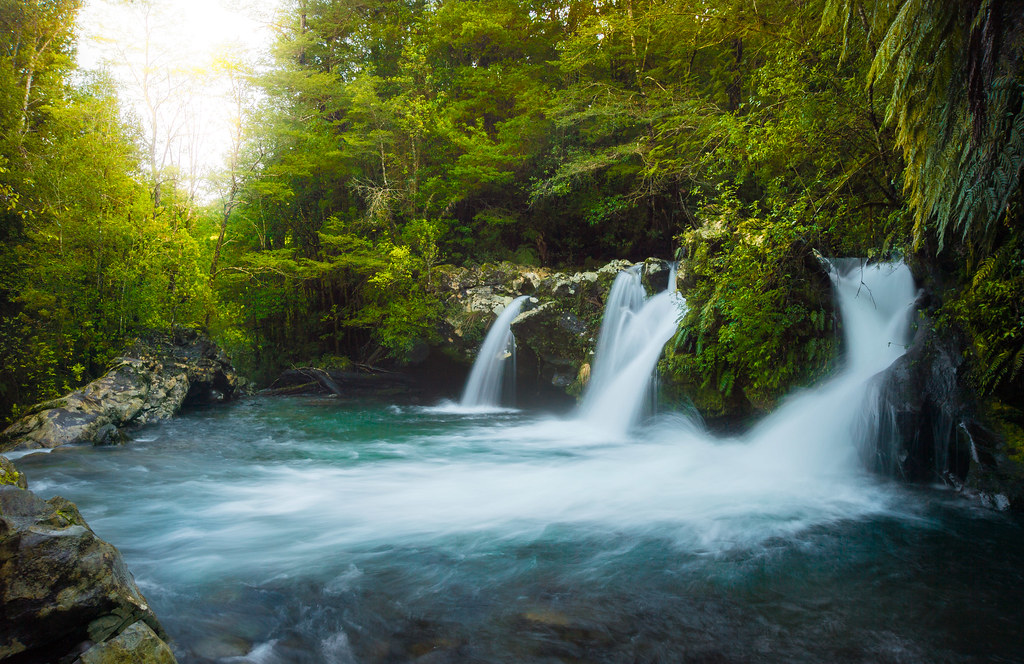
[311, 530]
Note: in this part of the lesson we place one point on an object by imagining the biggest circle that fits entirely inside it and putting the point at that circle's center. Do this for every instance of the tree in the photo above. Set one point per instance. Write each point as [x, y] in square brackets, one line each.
[951, 80]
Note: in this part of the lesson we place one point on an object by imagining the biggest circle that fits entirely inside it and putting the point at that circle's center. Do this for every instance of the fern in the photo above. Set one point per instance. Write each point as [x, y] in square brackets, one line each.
[963, 159]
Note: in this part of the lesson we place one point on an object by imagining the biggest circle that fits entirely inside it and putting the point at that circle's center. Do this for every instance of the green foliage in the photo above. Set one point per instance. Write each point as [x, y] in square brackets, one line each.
[86, 261]
[950, 76]
[400, 311]
[990, 308]
[397, 135]
[759, 317]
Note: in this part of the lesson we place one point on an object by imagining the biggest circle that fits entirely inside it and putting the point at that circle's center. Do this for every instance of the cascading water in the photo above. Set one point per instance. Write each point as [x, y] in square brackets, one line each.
[486, 380]
[820, 430]
[634, 330]
[339, 531]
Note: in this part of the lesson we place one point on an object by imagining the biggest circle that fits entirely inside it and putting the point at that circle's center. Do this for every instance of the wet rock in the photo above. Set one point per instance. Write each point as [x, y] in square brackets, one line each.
[559, 338]
[217, 646]
[655, 274]
[152, 381]
[931, 427]
[9, 475]
[921, 403]
[137, 643]
[60, 585]
[557, 329]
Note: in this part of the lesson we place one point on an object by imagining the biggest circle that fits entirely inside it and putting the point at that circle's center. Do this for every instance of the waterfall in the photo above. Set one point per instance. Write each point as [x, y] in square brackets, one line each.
[819, 430]
[634, 330]
[875, 302]
[486, 380]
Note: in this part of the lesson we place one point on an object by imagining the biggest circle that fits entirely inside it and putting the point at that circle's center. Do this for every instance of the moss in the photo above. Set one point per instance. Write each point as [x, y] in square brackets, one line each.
[1008, 423]
[13, 478]
[9, 475]
[334, 363]
[759, 319]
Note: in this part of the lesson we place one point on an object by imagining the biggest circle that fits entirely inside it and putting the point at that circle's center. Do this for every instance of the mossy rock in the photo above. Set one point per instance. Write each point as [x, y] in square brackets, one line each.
[60, 585]
[9, 475]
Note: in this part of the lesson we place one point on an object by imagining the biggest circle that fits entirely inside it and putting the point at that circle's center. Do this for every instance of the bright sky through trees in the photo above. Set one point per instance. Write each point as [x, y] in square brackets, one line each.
[170, 58]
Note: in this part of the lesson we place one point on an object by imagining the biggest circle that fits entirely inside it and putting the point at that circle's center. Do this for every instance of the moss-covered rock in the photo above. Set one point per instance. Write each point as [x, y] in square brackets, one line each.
[9, 475]
[136, 644]
[60, 585]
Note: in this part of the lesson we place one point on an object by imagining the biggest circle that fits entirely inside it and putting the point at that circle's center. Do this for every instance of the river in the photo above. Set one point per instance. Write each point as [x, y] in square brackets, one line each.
[314, 530]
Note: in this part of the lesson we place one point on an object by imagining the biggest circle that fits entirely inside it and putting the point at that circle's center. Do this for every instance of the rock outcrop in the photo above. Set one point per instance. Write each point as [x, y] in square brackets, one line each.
[151, 381]
[63, 591]
[932, 427]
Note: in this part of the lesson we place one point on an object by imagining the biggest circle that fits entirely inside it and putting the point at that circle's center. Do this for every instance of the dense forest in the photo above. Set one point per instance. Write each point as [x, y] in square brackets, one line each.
[394, 136]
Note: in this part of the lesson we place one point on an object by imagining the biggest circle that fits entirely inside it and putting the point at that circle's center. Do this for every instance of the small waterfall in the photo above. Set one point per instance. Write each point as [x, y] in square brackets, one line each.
[875, 302]
[634, 330]
[820, 430]
[486, 380]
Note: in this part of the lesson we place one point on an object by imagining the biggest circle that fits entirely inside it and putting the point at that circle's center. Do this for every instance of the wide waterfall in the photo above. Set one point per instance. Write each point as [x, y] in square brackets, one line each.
[484, 389]
[634, 330]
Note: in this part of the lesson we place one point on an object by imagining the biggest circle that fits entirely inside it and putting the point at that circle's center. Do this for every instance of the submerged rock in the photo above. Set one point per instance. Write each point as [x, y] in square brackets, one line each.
[152, 381]
[60, 585]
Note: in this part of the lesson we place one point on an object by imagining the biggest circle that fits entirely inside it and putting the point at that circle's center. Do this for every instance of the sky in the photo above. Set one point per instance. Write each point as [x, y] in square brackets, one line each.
[194, 114]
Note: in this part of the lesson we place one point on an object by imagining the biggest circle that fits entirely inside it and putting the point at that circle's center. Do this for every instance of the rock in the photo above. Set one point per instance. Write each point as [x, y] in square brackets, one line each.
[60, 585]
[137, 643]
[932, 427]
[922, 404]
[559, 339]
[155, 378]
[655, 274]
[9, 475]
[555, 333]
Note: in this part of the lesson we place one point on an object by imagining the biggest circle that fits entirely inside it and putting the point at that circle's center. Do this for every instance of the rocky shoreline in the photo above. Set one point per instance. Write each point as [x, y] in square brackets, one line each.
[151, 381]
[66, 596]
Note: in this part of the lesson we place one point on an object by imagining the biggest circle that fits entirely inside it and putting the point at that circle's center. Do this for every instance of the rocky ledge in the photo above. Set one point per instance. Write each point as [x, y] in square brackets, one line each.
[66, 596]
[152, 380]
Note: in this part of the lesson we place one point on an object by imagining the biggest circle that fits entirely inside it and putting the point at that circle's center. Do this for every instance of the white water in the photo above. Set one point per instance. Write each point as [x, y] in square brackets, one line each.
[486, 380]
[322, 525]
[814, 433]
[634, 330]
[281, 487]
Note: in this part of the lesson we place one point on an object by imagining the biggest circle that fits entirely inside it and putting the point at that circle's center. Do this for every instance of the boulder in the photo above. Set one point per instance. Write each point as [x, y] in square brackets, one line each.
[655, 274]
[559, 339]
[922, 405]
[152, 381]
[137, 643]
[60, 585]
[9, 475]
[931, 426]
